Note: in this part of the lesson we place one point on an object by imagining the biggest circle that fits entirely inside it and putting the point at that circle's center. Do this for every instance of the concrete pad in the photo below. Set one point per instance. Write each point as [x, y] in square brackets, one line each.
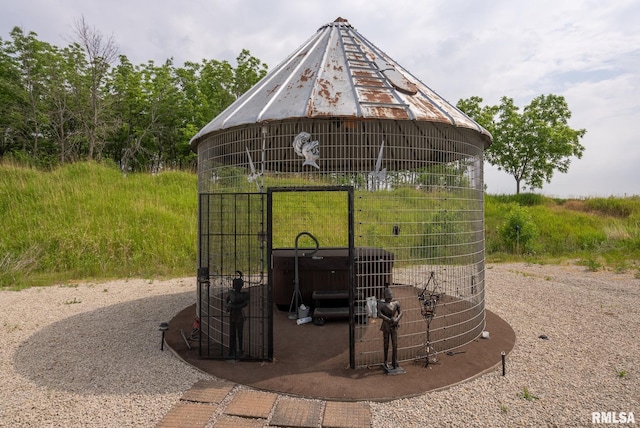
[251, 404]
[208, 391]
[291, 412]
[190, 415]
[346, 415]
[238, 422]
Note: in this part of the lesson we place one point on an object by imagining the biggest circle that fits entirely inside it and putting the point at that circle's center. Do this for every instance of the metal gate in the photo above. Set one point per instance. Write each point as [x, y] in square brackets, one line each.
[234, 296]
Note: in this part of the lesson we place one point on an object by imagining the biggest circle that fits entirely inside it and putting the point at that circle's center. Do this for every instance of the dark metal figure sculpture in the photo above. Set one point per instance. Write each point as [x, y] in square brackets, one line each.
[236, 300]
[390, 312]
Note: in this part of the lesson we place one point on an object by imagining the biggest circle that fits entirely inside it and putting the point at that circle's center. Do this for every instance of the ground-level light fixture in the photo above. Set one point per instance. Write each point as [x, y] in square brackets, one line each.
[164, 326]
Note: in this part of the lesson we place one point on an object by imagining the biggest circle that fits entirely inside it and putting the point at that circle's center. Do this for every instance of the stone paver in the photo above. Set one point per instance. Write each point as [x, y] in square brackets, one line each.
[187, 415]
[238, 422]
[251, 404]
[291, 412]
[253, 409]
[346, 415]
[208, 391]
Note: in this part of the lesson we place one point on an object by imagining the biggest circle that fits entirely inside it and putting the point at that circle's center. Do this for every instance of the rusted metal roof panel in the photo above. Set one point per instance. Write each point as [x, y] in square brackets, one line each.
[339, 73]
[279, 94]
[333, 94]
[299, 76]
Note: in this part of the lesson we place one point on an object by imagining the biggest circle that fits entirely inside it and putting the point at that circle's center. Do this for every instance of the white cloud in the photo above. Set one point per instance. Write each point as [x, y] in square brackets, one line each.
[585, 50]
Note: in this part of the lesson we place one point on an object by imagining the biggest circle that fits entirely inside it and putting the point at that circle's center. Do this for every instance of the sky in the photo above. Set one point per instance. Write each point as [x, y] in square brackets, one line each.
[587, 51]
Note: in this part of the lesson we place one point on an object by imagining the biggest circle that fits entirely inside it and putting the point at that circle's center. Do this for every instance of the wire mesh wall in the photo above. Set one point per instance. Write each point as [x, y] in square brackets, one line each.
[419, 209]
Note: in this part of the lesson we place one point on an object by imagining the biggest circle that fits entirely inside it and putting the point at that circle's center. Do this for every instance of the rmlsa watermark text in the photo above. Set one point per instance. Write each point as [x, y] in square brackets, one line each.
[612, 418]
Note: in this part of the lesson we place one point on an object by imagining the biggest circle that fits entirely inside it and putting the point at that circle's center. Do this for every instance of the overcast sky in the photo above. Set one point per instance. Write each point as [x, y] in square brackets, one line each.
[587, 51]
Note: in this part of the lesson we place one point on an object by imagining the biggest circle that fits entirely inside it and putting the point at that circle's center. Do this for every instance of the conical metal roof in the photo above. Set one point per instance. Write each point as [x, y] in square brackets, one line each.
[339, 73]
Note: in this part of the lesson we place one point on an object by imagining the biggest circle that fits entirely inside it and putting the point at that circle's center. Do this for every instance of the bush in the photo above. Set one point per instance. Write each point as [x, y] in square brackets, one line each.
[518, 232]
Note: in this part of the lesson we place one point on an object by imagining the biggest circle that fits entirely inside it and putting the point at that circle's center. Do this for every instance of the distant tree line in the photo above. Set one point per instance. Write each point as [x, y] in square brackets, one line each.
[86, 101]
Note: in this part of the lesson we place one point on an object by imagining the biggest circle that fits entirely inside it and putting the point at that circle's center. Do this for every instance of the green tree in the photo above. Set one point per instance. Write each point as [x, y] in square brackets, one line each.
[249, 70]
[211, 86]
[64, 100]
[518, 232]
[125, 88]
[151, 112]
[530, 146]
[100, 52]
[40, 90]
[11, 94]
[60, 105]
[29, 110]
[166, 99]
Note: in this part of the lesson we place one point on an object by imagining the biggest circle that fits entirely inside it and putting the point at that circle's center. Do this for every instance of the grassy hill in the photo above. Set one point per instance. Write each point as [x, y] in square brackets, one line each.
[89, 221]
[597, 232]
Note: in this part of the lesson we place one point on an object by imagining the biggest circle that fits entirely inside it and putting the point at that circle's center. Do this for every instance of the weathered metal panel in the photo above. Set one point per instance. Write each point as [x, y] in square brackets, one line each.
[299, 83]
[338, 73]
[387, 111]
[333, 93]
[248, 108]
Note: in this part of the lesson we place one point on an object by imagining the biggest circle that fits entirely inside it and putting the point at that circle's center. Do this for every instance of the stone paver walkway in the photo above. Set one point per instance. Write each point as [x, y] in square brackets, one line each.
[220, 404]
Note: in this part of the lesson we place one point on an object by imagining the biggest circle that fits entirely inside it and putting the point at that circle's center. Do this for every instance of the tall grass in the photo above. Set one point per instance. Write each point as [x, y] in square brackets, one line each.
[306, 211]
[89, 221]
[600, 228]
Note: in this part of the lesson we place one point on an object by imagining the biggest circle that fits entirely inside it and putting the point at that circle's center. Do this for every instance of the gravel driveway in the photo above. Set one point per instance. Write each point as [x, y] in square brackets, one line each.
[89, 354]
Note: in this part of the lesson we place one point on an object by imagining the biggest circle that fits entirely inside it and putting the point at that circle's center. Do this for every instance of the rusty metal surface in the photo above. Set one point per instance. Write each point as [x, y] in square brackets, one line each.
[339, 73]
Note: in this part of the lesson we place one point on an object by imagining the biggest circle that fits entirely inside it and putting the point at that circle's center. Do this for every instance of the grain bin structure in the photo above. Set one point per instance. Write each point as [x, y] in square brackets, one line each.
[338, 174]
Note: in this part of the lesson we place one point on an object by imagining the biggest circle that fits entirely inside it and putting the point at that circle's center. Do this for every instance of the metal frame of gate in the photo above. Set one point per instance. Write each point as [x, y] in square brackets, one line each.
[232, 239]
[350, 220]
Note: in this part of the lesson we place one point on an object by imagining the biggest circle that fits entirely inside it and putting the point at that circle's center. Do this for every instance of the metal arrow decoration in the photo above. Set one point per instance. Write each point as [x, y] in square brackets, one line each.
[253, 176]
[379, 175]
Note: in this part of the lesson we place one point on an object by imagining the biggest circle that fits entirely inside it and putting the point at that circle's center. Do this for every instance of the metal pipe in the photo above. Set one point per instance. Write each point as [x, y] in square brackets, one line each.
[296, 292]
